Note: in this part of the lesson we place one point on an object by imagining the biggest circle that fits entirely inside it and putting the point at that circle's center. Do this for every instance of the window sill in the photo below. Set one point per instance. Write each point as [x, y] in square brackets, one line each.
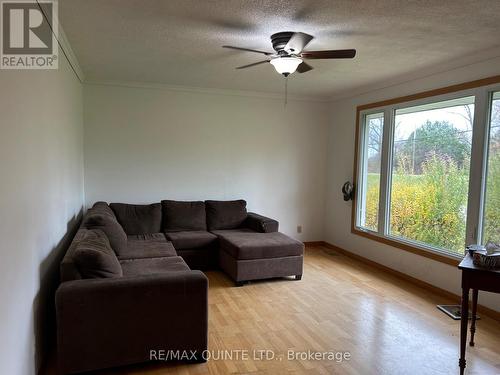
[436, 255]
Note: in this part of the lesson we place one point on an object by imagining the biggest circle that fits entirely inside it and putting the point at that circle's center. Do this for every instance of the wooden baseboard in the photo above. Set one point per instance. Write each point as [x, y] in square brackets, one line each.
[314, 243]
[481, 309]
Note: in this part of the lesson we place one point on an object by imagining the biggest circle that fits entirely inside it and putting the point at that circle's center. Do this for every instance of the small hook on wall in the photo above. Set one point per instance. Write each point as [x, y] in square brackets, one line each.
[348, 191]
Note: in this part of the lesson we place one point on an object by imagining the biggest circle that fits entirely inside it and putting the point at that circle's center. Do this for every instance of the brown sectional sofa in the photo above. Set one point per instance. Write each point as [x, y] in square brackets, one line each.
[128, 284]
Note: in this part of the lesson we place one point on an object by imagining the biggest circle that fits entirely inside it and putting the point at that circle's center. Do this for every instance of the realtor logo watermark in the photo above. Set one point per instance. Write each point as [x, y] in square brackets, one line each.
[248, 355]
[29, 33]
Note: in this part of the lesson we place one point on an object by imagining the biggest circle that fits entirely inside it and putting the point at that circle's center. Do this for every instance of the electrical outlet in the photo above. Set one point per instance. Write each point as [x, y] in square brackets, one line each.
[299, 228]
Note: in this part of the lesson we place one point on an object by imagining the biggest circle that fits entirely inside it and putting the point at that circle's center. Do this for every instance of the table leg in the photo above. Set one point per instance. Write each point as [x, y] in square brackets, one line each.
[464, 317]
[474, 310]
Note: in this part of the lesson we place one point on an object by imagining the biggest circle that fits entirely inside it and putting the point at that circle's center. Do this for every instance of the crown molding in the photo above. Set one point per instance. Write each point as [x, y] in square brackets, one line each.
[206, 90]
[69, 53]
[61, 38]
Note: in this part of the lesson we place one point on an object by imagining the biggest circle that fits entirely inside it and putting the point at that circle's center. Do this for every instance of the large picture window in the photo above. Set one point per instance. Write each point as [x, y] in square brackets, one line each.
[430, 173]
[415, 162]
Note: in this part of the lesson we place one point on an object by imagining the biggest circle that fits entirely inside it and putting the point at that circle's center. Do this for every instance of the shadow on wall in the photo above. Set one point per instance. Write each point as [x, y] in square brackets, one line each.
[44, 315]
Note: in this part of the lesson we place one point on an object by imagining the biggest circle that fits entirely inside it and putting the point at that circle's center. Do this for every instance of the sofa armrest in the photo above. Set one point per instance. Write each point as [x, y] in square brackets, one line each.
[108, 322]
[261, 223]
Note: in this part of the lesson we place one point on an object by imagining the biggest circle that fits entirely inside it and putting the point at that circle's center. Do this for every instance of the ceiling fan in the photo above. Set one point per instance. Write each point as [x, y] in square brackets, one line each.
[290, 55]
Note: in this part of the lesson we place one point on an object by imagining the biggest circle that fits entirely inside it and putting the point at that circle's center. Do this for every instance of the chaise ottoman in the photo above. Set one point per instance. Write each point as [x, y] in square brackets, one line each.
[249, 255]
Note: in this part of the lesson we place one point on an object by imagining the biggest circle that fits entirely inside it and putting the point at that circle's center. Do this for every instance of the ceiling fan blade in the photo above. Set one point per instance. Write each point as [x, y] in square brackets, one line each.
[329, 54]
[298, 42]
[304, 67]
[248, 50]
[253, 64]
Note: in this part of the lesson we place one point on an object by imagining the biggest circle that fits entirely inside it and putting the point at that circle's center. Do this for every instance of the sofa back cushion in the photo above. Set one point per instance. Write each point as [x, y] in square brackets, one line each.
[102, 217]
[68, 269]
[183, 216]
[103, 207]
[138, 218]
[95, 258]
[225, 214]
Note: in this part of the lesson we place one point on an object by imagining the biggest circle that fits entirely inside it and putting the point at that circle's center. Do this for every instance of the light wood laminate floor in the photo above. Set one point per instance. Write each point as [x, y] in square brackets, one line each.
[387, 325]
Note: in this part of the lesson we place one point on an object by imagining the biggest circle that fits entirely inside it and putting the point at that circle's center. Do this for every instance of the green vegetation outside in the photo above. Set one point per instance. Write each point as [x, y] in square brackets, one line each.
[431, 207]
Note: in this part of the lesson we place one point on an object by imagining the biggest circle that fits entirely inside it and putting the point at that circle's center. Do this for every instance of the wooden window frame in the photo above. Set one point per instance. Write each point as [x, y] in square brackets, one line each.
[476, 183]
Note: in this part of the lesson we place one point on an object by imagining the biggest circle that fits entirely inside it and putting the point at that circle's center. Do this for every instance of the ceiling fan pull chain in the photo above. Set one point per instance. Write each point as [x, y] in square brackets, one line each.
[286, 90]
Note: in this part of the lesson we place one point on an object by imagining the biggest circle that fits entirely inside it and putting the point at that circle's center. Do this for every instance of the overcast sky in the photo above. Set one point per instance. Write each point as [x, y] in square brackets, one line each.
[407, 123]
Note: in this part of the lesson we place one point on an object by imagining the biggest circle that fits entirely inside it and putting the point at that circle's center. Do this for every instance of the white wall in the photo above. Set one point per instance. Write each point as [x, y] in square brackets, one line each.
[147, 144]
[340, 169]
[41, 193]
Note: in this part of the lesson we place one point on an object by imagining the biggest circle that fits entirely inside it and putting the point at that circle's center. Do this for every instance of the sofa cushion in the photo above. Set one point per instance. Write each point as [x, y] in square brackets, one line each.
[261, 223]
[148, 266]
[191, 239]
[149, 237]
[138, 218]
[152, 247]
[181, 216]
[68, 269]
[95, 258]
[103, 207]
[259, 245]
[233, 231]
[225, 214]
[98, 218]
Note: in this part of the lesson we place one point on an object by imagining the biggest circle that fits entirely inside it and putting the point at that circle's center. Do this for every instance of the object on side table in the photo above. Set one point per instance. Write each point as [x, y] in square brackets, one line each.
[471, 249]
[489, 257]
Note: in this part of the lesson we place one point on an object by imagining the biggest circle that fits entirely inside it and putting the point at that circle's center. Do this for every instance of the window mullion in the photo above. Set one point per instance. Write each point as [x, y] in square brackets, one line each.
[477, 167]
[362, 176]
[384, 198]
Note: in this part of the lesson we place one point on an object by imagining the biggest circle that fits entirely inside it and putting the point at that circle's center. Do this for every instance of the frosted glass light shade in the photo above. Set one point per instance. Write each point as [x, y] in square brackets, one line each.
[286, 65]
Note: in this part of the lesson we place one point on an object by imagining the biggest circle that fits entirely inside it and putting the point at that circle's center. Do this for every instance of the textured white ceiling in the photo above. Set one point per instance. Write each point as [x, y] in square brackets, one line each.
[178, 42]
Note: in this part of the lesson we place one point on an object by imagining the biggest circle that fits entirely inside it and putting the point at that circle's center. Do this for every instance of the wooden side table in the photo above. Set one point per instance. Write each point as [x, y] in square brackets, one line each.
[475, 278]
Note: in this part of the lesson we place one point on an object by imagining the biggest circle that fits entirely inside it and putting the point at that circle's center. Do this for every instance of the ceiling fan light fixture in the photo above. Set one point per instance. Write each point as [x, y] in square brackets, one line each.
[286, 65]
[290, 56]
